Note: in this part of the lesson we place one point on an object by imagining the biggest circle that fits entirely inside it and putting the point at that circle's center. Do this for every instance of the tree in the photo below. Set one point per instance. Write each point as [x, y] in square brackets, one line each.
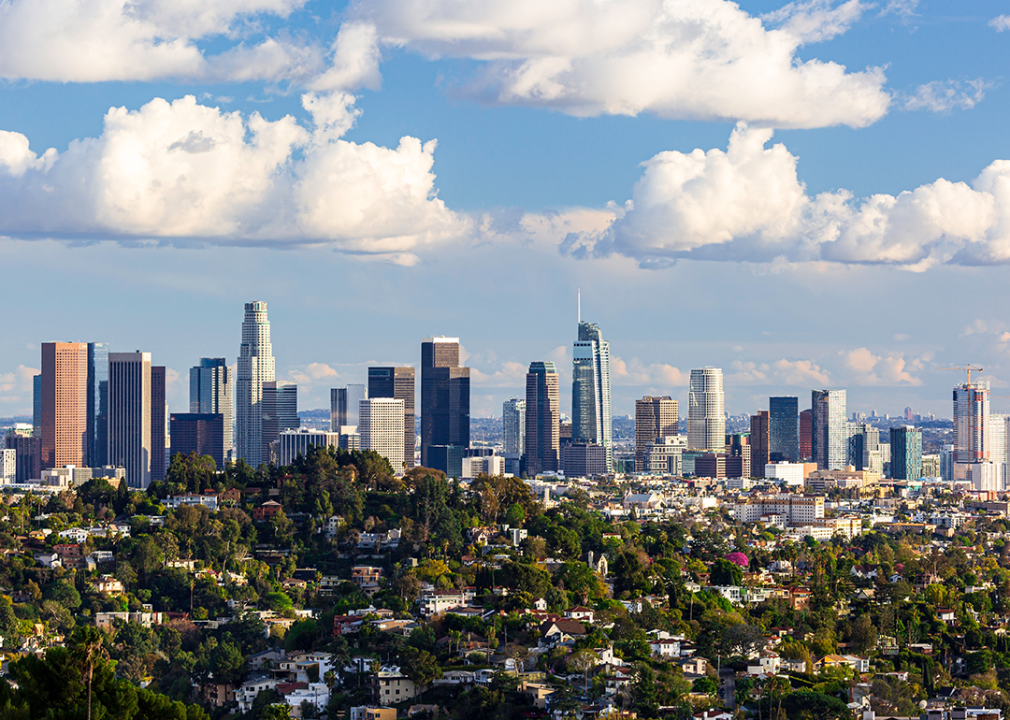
[421, 667]
[88, 651]
[725, 572]
[863, 634]
[582, 661]
[228, 663]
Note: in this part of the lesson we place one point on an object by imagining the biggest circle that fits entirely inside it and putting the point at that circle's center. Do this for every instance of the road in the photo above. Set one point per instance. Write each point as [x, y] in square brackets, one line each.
[728, 685]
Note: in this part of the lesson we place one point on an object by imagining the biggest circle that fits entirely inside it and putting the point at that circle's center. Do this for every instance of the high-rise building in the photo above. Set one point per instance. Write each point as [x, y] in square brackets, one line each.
[255, 367]
[783, 430]
[398, 383]
[280, 413]
[906, 453]
[64, 404]
[8, 466]
[445, 396]
[27, 447]
[293, 443]
[344, 405]
[807, 434]
[973, 440]
[706, 410]
[130, 416]
[159, 424]
[37, 405]
[830, 431]
[98, 404]
[543, 419]
[380, 425]
[514, 425]
[211, 388]
[760, 442]
[591, 411]
[655, 418]
[200, 433]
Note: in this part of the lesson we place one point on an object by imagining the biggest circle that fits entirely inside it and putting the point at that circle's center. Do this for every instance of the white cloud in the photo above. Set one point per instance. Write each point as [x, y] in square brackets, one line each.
[685, 59]
[16, 387]
[902, 8]
[1000, 23]
[100, 40]
[184, 170]
[891, 370]
[802, 373]
[355, 62]
[747, 204]
[944, 96]
[636, 373]
[510, 374]
[313, 374]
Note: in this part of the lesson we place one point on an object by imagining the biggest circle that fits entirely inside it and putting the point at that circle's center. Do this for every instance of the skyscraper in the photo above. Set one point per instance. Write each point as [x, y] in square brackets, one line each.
[280, 413]
[398, 383]
[760, 435]
[98, 404]
[211, 388]
[255, 367]
[159, 424]
[514, 425]
[380, 424]
[591, 411]
[806, 434]
[543, 419]
[830, 429]
[445, 397]
[655, 418]
[783, 429]
[706, 416]
[64, 404]
[130, 416]
[906, 453]
[37, 405]
[200, 433]
[344, 405]
[26, 444]
[973, 460]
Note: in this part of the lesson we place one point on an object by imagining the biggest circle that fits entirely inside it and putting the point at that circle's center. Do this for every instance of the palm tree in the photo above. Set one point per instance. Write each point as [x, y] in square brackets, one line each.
[89, 651]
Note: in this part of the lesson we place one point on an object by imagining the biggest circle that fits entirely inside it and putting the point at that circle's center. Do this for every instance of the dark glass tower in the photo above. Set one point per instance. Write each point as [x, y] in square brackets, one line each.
[784, 438]
[445, 396]
[543, 419]
[397, 383]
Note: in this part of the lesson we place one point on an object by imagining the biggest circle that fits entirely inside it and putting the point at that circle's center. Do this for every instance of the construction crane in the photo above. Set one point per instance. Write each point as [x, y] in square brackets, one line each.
[964, 368]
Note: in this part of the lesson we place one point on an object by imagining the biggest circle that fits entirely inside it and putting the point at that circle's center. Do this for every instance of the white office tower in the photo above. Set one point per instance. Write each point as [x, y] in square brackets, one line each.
[380, 425]
[514, 425]
[829, 438]
[255, 367]
[130, 416]
[344, 405]
[706, 411]
[8, 467]
[280, 413]
[998, 443]
[210, 392]
[592, 421]
[292, 443]
[973, 460]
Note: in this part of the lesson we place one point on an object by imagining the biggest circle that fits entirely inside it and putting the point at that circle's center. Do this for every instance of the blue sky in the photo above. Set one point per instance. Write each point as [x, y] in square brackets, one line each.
[852, 230]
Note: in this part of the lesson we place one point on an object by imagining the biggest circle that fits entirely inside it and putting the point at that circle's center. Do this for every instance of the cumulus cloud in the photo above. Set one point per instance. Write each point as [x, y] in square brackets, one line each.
[747, 204]
[181, 170]
[100, 40]
[888, 370]
[636, 373]
[693, 59]
[16, 387]
[1000, 23]
[802, 373]
[510, 374]
[313, 374]
[944, 96]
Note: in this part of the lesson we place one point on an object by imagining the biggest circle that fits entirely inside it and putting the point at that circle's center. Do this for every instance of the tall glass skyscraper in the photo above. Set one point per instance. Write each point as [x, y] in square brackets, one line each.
[906, 453]
[706, 411]
[210, 393]
[784, 429]
[830, 431]
[255, 367]
[98, 404]
[445, 400]
[543, 420]
[591, 412]
[514, 425]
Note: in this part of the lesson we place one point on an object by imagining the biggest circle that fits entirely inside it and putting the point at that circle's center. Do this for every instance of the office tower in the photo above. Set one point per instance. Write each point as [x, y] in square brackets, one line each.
[514, 425]
[398, 383]
[998, 446]
[909, 415]
[583, 460]
[906, 453]
[98, 404]
[27, 447]
[591, 411]
[706, 416]
[380, 425]
[931, 465]
[783, 429]
[971, 422]
[64, 404]
[864, 448]
[8, 466]
[280, 413]
[738, 454]
[830, 430]
[211, 389]
[543, 419]
[760, 442]
[655, 418]
[37, 405]
[445, 397]
[806, 434]
[294, 443]
[159, 424]
[255, 367]
[344, 405]
[130, 415]
[947, 462]
[200, 433]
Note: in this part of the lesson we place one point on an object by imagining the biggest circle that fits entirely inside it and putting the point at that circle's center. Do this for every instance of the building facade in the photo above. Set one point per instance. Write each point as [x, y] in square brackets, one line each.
[592, 422]
[8, 466]
[130, 415]
[445, 397]
[255, 367]
[200, 433]
[514, 425]
[543, 419]
[344, 405]
[906, 453]
[760, 442]
[655, 418]
[706, 415]
[27, 448]
[64, 404]
[784, 429]
[380, 425]
[293, 443]
[211, 391]
[98, 404]
[280, 412]
[398, 383]
[830, 429]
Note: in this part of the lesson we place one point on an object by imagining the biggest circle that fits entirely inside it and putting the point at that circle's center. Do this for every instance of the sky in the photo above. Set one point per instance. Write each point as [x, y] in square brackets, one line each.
[807, 195]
